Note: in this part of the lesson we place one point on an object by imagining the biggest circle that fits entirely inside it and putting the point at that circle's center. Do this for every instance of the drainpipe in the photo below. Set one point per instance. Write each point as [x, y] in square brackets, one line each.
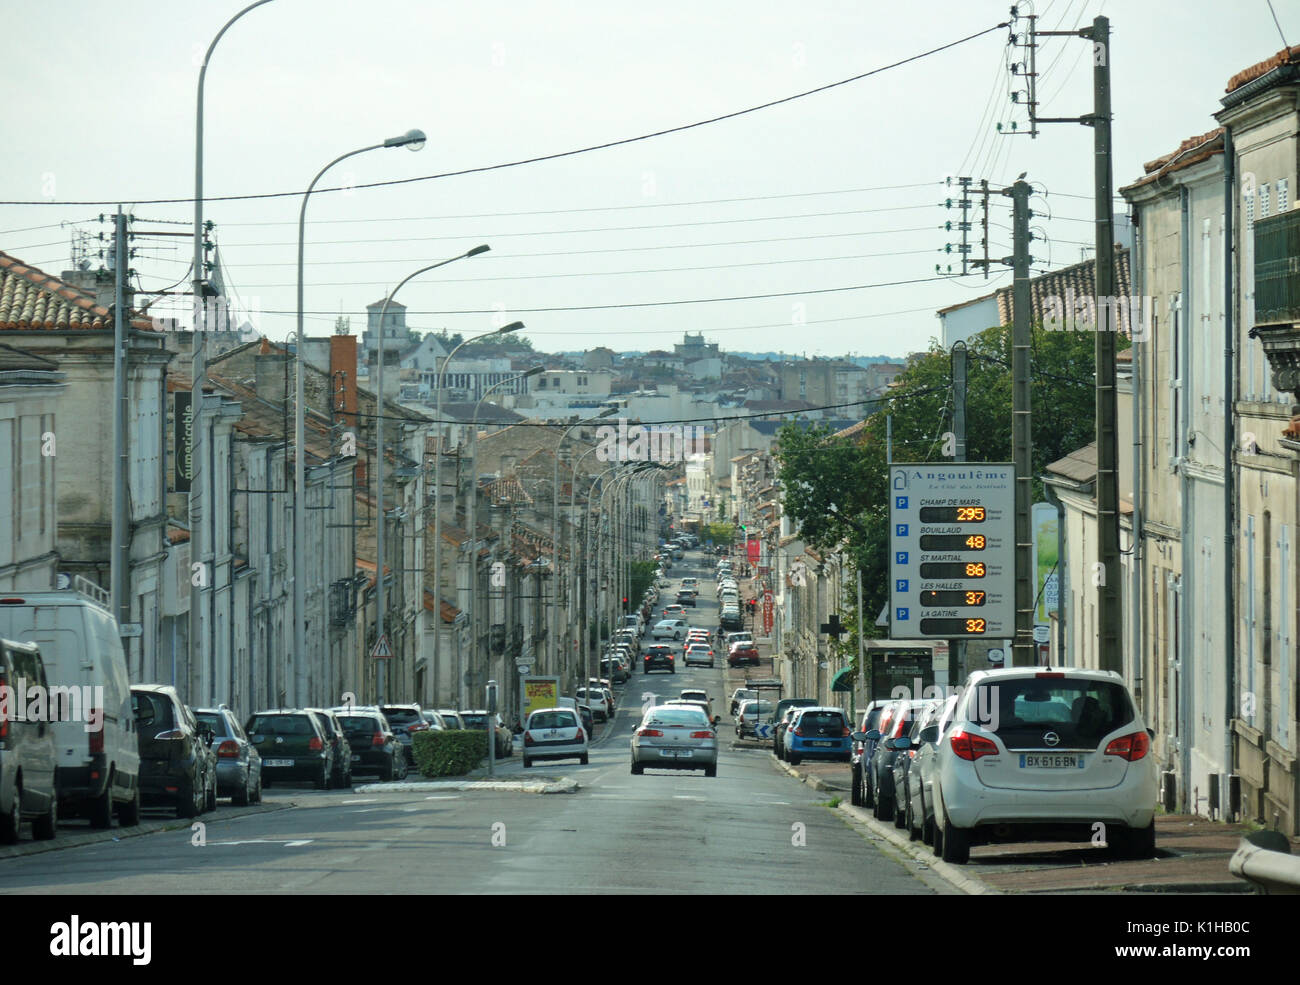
[1062, 575]
[1138, 623]
[1229, 488]
[1187, 553]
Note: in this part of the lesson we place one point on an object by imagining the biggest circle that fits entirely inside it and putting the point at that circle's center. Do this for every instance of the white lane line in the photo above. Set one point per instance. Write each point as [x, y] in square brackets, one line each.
[682, 796]
[364, 800]
[442, 796]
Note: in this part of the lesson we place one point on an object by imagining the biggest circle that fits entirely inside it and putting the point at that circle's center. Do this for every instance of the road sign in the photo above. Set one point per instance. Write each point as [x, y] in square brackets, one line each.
[524, 668]
[952, 559]
[130, 630]
[763, 731]
[381, 650]
[1042, 634]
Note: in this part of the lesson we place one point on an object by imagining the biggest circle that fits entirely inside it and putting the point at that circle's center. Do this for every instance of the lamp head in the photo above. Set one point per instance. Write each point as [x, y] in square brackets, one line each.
[533, 371]
[477, 250]
[514, 326]
[412, 140]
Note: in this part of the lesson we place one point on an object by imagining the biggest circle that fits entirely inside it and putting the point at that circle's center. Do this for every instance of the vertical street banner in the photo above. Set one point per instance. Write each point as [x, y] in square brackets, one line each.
[752, 549]
[1047, 577]
[182, 440]
[767, 612]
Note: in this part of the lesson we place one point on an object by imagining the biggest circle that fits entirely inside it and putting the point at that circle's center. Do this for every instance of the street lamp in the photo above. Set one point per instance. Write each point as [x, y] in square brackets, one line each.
[437, 513]
[414, 139]
[578, 588]
[473, 503]
[555, 528]
[199, 353]
[379, 439]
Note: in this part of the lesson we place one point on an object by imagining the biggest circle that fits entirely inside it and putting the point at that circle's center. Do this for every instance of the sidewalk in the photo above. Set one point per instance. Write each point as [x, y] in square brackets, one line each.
[1193, 853]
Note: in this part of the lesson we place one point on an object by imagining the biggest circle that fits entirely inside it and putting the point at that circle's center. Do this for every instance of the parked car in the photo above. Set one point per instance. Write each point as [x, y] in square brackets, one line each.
[239, 764]
[554, 733]
[477, 720]
[340, 748]
[818, 732]
[659, 657]
[699, 654]
[177, 766]
[595, 700]
[294, 746]
[583, 711]
[753, 713]
[614, 668]
[375, 749]
[742, 653]
[905, 749]
[1040, 753]
[863, 748]
[675, 737]
[783, 712]
[97, 769]
[27, 752]
[730, 617]
[669, 629]
[405, 720]
[880, 773]
[918, 791]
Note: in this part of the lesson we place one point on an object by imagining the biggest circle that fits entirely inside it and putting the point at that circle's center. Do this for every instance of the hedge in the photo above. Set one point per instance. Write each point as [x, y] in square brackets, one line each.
[448, 753]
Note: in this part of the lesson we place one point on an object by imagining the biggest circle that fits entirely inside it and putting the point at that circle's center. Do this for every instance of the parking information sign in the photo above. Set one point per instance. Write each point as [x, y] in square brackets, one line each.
[952, 557]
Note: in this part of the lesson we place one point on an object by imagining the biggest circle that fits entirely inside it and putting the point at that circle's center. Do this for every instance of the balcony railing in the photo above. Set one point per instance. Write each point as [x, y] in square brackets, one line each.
[1277, 297]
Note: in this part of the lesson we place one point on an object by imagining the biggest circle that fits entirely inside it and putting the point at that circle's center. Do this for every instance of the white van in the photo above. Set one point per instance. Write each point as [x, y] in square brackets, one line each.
[97, 748]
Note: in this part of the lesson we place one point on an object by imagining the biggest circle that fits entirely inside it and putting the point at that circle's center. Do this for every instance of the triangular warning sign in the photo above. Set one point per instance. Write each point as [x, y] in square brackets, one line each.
[381, 649]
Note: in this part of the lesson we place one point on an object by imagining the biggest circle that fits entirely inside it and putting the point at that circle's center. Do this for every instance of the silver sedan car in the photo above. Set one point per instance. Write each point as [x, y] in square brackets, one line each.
[675, 738]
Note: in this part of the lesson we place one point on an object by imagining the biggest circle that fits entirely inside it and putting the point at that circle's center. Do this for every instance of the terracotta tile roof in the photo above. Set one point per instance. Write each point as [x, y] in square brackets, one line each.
[1191, 151]
[33, 299]
[507, 489]
[177, 535]
[1079, 279]
[1290, 55]
[449, 611]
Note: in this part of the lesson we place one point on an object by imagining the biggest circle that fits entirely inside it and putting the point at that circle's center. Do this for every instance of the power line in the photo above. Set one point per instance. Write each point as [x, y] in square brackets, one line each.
[550, 157]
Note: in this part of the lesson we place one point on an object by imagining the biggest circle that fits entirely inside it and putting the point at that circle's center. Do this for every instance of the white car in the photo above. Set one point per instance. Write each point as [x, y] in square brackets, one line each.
[670, 629]
[554, 733]
[594, 699]
[691, 583]
[698, 653]
[1033, 750]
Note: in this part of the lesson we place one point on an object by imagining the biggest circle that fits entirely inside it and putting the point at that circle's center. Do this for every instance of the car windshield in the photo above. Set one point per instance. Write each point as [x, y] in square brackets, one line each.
[678, 716]
[1080, 710]
[552, 719]
[281, 725]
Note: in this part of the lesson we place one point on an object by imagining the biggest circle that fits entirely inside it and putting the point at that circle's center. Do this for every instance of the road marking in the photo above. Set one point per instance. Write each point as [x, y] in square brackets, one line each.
[264, 841]
[682, 796]
[443, 796]
[369, 800]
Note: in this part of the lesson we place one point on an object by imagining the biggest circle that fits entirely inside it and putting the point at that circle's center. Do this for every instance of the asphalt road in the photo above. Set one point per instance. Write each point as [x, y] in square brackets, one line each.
[751, 829]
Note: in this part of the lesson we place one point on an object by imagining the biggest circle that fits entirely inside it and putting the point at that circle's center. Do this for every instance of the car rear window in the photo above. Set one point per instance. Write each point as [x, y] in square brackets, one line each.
[1079, 710]
[359, 723]
[401, 716]
[552, 719]
[474, 721]
[281, 725]
[822, 719]
[677, 715]
[213, 722]
[756, 708]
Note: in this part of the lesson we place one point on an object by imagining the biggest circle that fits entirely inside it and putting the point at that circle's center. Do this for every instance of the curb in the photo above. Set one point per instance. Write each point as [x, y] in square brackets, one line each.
[912, 849]
[99, 836]
[562, 785]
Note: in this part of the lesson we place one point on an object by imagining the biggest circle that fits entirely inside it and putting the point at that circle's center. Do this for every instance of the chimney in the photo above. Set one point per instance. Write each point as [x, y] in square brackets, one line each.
[97, 283]
[343, 377]
[270, 380]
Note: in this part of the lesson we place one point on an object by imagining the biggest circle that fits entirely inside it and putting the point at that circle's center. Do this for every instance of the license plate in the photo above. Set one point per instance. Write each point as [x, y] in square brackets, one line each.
[818, 742]
[676, 753]
[277, 762]
[356, 758]
[1050, 761]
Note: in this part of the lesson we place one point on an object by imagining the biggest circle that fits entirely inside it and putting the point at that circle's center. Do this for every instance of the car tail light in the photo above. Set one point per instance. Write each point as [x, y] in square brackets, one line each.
[1049, 673]
[96, 715]
[649, 733]
[971, 747]
[847, 731]
[1130, 747]
[4, 709]
[701, 735]
[174, 733]
[228, 749]
[418, 727]
[316, 745]
[377, 739]
[580, 737]
[799, 732]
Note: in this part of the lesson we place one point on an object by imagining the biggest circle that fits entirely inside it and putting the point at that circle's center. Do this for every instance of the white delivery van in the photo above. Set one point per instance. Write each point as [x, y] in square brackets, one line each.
[97, 749]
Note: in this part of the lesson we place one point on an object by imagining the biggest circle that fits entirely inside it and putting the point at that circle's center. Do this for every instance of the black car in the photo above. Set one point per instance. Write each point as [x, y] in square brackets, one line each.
[686, 597]
[293, 746]
[341, 774]
[659, 657]
[177, 766]
[405, 721]
[778, 716]
[375, 749]
[880, 772]
[863, 748]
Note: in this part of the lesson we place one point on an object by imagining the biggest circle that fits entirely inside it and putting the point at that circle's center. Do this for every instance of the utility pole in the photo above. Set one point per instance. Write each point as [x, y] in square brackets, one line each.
[956, 648]
[1022, 648]
[1106, 573]
[121, 553]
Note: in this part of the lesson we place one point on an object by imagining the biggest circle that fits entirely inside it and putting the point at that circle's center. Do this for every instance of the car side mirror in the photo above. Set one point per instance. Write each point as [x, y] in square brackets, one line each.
[716, 719]
[929, 734]
[1151, 732]
[873, 735]
[902, 742]
[859, 736]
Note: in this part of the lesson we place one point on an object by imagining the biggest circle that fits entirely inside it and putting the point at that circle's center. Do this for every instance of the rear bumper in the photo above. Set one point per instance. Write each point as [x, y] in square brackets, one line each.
[232, 777]
[801, 748]
[968, 803]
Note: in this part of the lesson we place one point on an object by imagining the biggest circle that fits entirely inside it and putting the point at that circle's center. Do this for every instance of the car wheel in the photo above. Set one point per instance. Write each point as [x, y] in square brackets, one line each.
[128, 814]
[44, 827]
[11, 821]
[323, 781]
[927, 826]
[855, 797]
[1134, 843]
[909, 821]
[794, 759]
[637, 769]
[190, 803]
[389, 772]
[956, 843]
[936, 837]
[711, 770]
[243, 796]
[582, 760]
[101, 808]
[883, 807]
[868, 795]
[528, 763]
[900, 815]
[212, 796]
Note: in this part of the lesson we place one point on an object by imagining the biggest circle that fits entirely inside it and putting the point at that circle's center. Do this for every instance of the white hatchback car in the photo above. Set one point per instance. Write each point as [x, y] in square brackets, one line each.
[554, 733]
[1035, 753]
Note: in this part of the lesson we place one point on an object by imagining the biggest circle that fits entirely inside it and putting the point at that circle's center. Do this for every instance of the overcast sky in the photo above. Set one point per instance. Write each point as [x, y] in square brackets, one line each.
[834, 190]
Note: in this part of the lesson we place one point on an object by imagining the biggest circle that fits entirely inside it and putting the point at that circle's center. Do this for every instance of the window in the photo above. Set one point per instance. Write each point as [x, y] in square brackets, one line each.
[1282, 203]
[1263, 201]
[1175, 376]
